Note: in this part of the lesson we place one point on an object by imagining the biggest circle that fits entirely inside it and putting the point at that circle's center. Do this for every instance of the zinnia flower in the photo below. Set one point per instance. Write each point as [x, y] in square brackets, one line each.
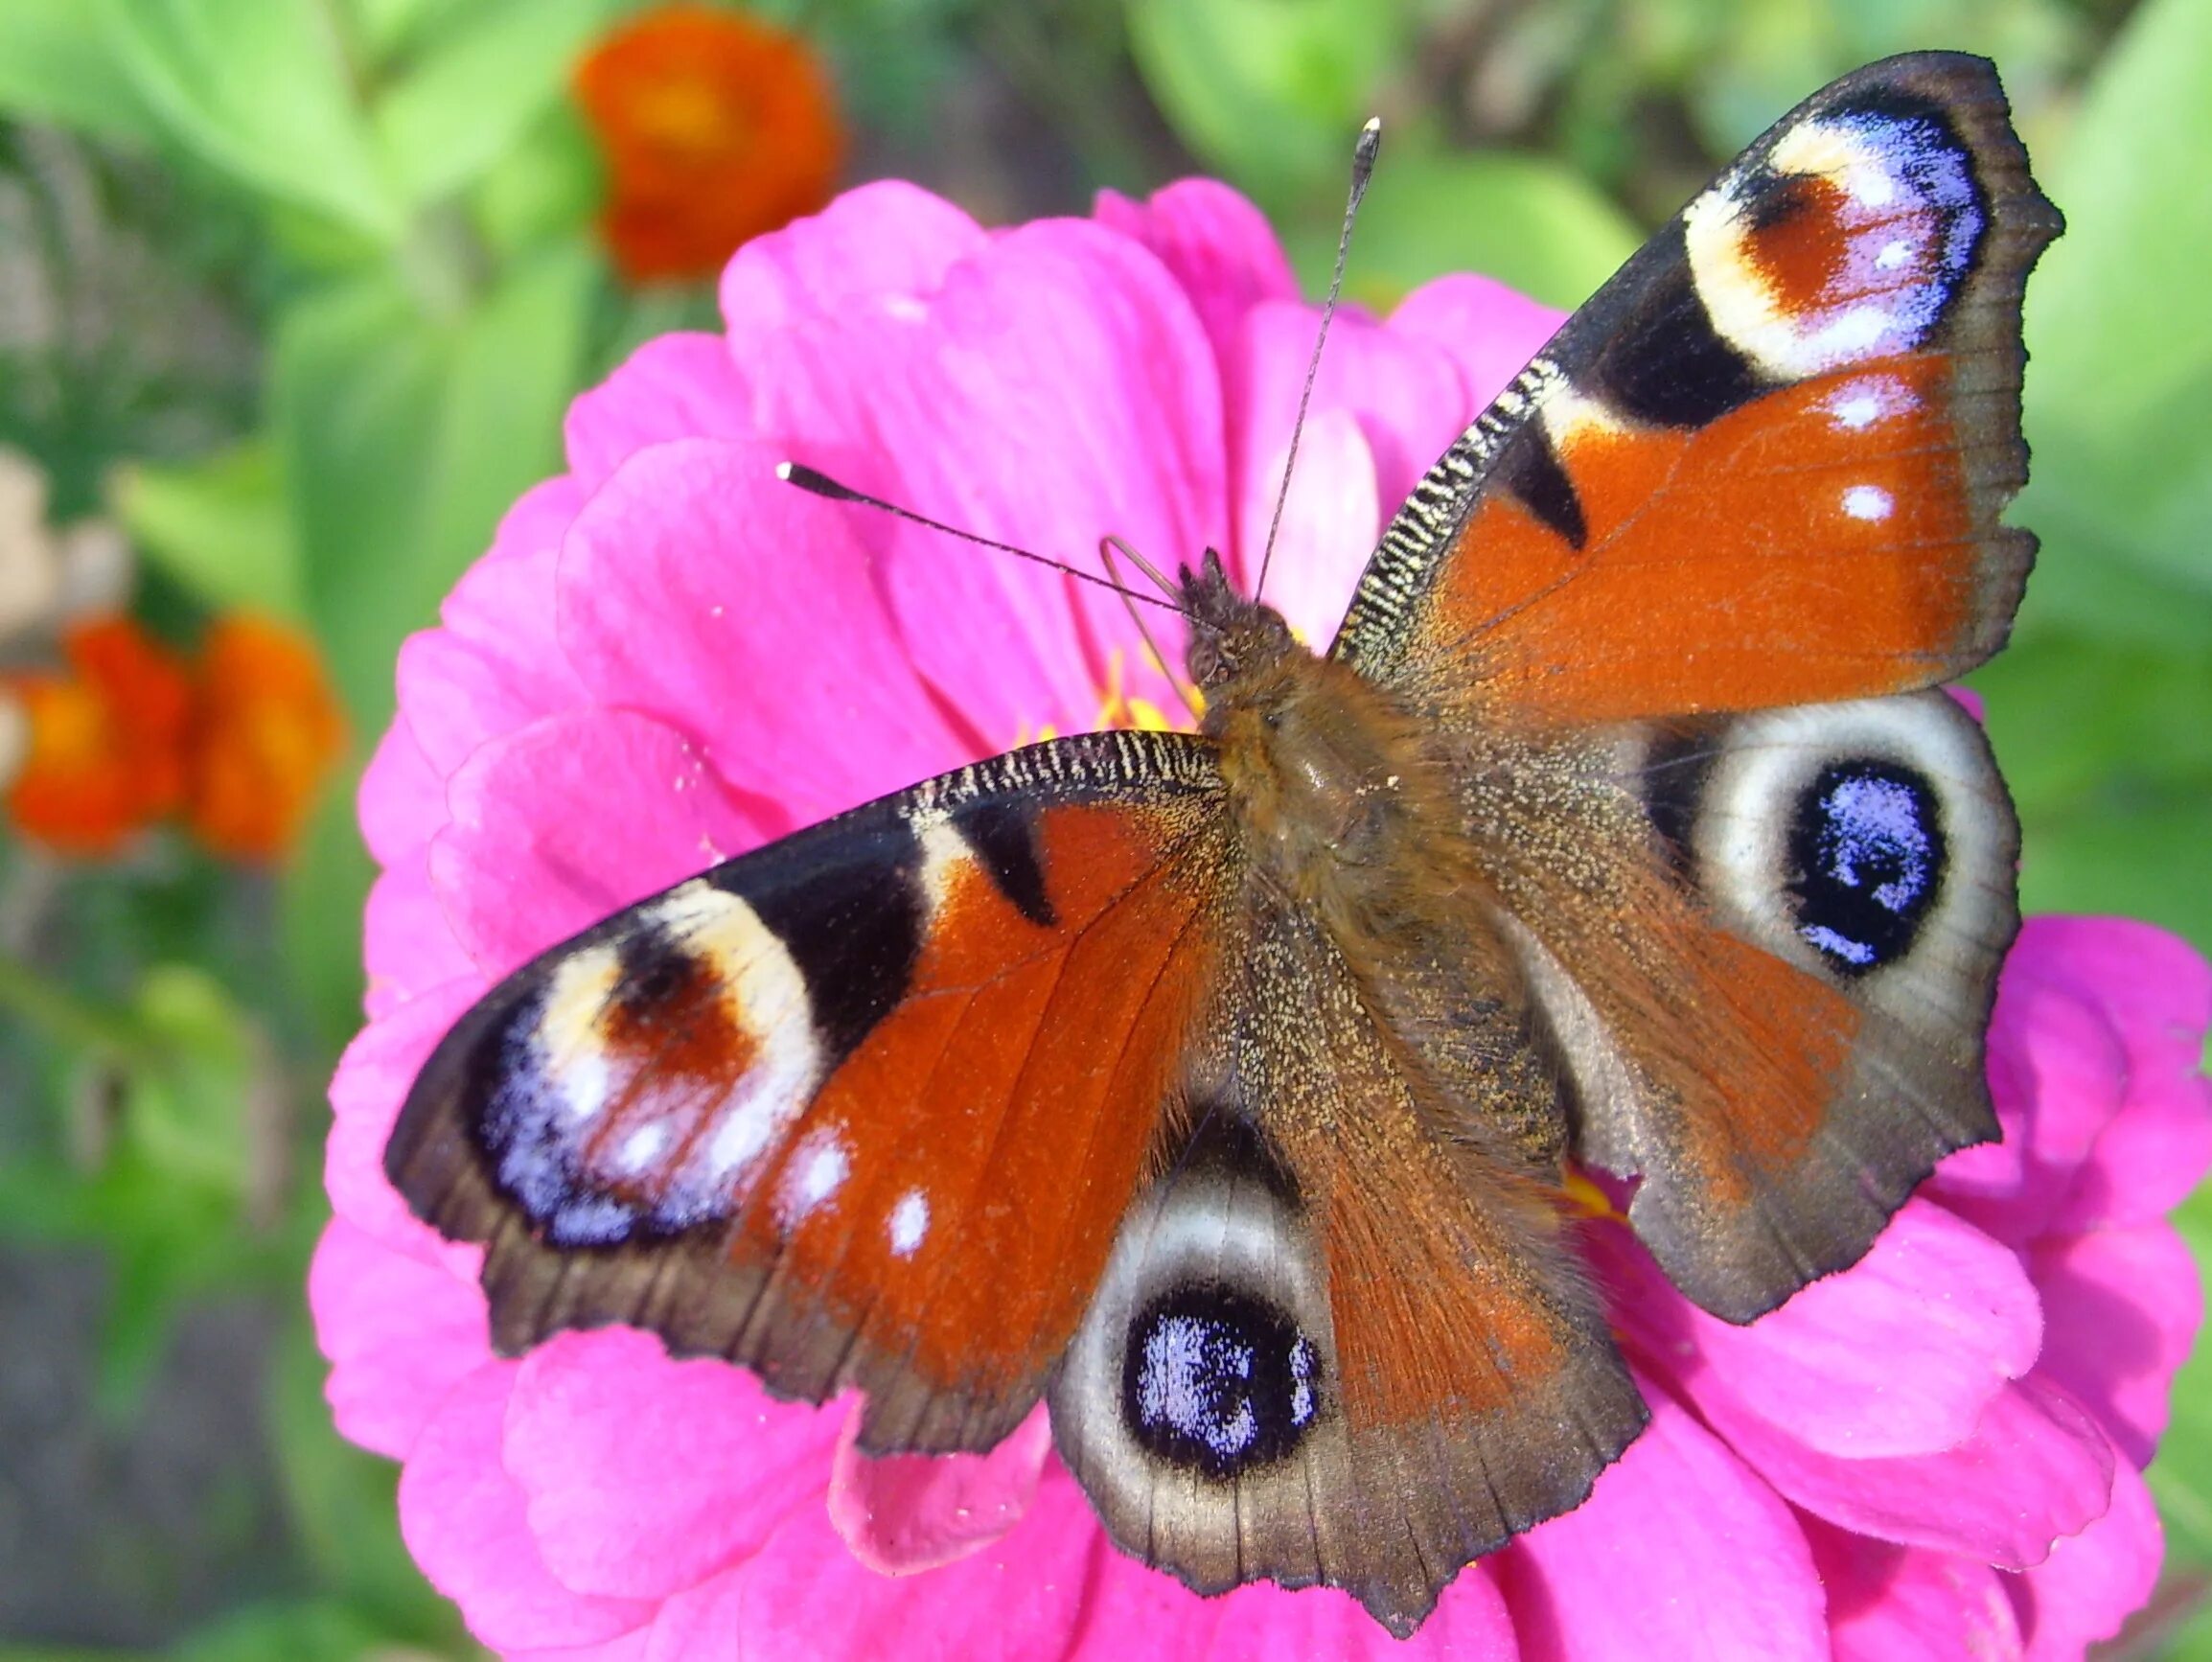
[667, 658]
[104, 756]
[265, 731]
[716, 127]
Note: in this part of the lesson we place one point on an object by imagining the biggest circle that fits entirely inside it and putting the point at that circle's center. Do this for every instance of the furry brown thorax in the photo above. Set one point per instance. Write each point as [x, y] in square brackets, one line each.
[1327, 775]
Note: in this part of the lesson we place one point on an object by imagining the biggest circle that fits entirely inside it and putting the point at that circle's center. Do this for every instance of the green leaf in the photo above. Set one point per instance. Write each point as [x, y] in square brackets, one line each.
[1526, 221]
[2181, 1476]
[2119, 387]
[343, 1509]
[220, 527]
[1271, 92]
[468, 101]
[404, 437]
[2110, 761]
[542, 189]
[321, 892]
[262, 90]
[389, 28]
[56, 67]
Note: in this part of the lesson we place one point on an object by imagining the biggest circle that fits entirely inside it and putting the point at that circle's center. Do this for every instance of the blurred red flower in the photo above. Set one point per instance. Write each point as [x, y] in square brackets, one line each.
[716, 127]
[264, 733]
[104, 754]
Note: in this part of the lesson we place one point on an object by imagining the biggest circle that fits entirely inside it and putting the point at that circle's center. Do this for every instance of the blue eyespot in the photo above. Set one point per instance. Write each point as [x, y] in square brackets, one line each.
[1218, 1380]
[1866, 862]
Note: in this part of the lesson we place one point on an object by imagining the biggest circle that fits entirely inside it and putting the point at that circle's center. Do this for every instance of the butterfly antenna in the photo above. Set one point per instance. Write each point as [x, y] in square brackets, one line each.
[1362, 155]
[1107, 549]
[820, 484]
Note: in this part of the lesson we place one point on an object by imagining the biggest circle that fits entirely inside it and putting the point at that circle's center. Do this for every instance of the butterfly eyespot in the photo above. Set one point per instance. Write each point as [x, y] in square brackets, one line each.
[1867, 854]
[1219, 1381]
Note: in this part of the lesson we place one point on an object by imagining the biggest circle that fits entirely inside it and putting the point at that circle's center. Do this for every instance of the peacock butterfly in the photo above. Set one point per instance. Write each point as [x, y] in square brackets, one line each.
[1225, 1088]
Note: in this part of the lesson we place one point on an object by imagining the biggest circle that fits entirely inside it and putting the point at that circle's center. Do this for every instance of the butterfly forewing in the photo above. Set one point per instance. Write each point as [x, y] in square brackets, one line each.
[1764, 464]
[864, 1107]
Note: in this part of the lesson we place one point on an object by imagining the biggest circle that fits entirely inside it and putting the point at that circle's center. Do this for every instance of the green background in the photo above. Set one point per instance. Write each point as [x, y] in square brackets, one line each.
[310, 284]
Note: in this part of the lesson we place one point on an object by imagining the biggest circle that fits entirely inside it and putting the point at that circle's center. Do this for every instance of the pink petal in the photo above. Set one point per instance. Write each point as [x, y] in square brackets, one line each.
[2095, 1048]
[2057, 1074]
[537, 520]
[1021, 663]
[634, 1646]
[904, 1513]
[1262, 1622]
[464, 1520]
[399, 1334]
[702, 1624]
[1407, 396]
[675, 386]
[1133, 1609]
[406, 944]
[1219, 248]
[402, 798]
[1489, 331]
[494, 667]
[2121, 1307]
[571, 819]
[1886, 1600]
[2094, 1580]
[642, 1475]
[1108, 420]
[805, 1595]
[1898, 1355]
[366, 1091]
[1680, 1550]
[874, 246]
[1328, 525]
[699, 589]
[2034, 1469]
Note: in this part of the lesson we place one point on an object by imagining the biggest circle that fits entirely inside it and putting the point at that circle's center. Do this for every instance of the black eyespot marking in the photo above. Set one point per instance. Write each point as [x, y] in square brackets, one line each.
[1218, 1380]
[1005, 840]
[1668, 365]
[1866, 861]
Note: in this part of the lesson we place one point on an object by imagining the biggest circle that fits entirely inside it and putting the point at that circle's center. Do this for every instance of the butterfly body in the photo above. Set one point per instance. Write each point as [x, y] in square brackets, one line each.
[1225, 1088]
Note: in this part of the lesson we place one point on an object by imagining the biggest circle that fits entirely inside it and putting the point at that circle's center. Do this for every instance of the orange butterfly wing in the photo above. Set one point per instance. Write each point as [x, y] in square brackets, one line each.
[799, 1111]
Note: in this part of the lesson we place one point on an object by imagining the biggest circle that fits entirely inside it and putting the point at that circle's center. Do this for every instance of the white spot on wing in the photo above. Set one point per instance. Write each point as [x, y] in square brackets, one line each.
[910, 1223]
[1859, 403]
[818, 1170]
[641, 1149]
[1866, 502]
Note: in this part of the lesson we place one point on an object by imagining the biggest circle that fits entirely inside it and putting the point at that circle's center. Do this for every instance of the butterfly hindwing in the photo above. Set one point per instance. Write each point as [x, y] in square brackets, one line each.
[798, 1110]
[1343, 1338]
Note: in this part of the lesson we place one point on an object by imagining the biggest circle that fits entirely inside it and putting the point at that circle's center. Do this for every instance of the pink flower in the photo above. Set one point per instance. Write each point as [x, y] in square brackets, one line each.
[667, 657]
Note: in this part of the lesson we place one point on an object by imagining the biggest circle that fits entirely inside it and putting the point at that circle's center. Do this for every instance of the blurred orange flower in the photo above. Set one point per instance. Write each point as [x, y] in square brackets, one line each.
[104, 753]
[716, 127]
[265, 730]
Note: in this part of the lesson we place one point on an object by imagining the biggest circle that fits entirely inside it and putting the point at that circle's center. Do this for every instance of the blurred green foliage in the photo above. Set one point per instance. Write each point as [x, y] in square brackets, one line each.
[310, 284]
